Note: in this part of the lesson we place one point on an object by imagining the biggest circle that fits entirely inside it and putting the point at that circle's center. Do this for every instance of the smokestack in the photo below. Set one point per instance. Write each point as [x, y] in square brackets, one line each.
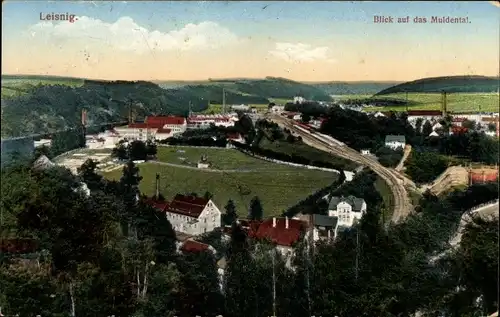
[286, 222]
[223, 101]
[274, 222]
[157, 186]
[84, 117]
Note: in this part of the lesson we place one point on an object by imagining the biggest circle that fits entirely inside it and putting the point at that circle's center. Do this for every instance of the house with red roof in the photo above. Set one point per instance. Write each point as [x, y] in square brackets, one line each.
[158, 128]
[190, 214]
[283, 232]
[193, 246]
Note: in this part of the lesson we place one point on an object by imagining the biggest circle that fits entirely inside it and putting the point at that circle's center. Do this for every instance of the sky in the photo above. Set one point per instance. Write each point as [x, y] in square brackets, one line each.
[197, 40]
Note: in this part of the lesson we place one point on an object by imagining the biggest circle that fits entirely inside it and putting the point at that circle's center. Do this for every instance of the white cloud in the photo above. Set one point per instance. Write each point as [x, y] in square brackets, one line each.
[127, 35]
[301, 52]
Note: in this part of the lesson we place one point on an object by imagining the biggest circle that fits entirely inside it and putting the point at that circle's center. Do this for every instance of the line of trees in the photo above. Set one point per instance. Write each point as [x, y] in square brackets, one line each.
[134, 150]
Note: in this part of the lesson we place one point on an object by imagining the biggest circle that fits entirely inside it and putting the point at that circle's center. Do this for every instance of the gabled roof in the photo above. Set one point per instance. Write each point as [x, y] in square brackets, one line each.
[395, 138]
[43, 162]
[193, 246]
[356, 203]
[324, 221]
[280, 234]
[171, 120]
[187, 205]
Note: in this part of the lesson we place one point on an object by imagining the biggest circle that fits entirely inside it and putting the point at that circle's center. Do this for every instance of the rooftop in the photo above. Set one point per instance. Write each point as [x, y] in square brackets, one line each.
[324, 221]
[187, 205]
[395, 138]
[162, 120]
[194, 246]
[355, 202]
[279, 234]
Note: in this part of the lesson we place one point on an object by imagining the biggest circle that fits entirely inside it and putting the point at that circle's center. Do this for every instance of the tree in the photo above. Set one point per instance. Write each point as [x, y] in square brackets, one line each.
[200, 280]
[120, 152]
[89, 175]
[256, 211]
[230, 216]
[305, 118]
[469, 124]
[427, 128]
[270, 105]
[151, 149]
[492, 127]
[208, 195]
[138, 150]
[418, 125]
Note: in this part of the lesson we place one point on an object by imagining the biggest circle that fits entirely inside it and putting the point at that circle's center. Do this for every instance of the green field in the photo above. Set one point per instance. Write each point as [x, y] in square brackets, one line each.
[456, 102]
[16, 87]
[305, 151]
[278, 186]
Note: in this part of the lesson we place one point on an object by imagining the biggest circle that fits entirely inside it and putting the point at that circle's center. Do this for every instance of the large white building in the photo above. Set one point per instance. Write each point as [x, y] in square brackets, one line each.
[190, 215]
[395, 142]
[153, 128]
[347, 209]
[205, 121]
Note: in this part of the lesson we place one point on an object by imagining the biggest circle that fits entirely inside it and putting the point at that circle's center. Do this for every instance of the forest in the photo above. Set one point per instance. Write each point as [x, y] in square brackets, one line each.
[109, 253]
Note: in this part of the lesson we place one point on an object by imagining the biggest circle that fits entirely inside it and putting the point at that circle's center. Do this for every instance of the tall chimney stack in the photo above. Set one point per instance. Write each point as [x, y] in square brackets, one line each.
[274, 222]
[286, 222]
[157, 186]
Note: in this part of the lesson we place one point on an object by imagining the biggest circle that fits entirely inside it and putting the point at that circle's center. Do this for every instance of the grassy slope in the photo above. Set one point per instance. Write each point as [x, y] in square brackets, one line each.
[432, 101]
[277, 186]
[463, 84]
[304, 150]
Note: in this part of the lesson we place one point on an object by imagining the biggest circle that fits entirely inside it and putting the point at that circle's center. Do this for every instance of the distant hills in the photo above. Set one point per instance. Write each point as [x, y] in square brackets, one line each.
[353, 88]
[41, 104]
[450, 84]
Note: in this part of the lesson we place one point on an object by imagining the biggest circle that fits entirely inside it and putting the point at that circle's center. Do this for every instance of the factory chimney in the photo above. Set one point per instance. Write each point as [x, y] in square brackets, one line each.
[223, 101]
[157, 186]
[443, 104]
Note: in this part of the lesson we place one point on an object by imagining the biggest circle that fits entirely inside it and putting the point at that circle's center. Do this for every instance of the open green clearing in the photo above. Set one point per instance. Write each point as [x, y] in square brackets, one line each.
[221, 159]
[278, 186]
[15, 87]
[301, 149]
[456, 102]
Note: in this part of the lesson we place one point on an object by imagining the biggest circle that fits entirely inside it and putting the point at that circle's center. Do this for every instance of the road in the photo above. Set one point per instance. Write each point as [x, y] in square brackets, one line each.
[484, 212]
[406, 152]
[402, 204]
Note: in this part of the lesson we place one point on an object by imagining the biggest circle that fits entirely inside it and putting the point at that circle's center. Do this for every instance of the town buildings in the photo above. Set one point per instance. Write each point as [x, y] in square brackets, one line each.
[195, 122]
[395, 141]
[189, 214]
[347, 209]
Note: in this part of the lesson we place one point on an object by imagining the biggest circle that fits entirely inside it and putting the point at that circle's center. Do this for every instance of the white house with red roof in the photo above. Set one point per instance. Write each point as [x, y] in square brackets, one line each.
[153, 127]
[189, 214]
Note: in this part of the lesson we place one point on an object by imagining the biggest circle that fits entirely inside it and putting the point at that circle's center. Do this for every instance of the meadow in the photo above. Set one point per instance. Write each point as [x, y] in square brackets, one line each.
[277, 186]
[16, 87]
[456, 102]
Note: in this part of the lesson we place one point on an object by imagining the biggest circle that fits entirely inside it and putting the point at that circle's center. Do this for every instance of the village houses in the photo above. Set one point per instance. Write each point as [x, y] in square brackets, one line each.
[347, 209]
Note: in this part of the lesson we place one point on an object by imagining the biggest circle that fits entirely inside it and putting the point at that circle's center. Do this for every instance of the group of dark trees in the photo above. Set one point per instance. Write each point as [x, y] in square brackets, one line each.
[135, 150]
[111, 254]
[424, 167]
[389, 157]
[62, 142]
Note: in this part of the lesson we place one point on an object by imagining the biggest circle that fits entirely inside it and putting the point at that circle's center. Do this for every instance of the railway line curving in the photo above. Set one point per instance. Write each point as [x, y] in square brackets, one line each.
[402, 204]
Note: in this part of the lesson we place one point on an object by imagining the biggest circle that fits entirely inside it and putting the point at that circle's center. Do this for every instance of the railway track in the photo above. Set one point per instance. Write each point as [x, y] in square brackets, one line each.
[402, 205]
